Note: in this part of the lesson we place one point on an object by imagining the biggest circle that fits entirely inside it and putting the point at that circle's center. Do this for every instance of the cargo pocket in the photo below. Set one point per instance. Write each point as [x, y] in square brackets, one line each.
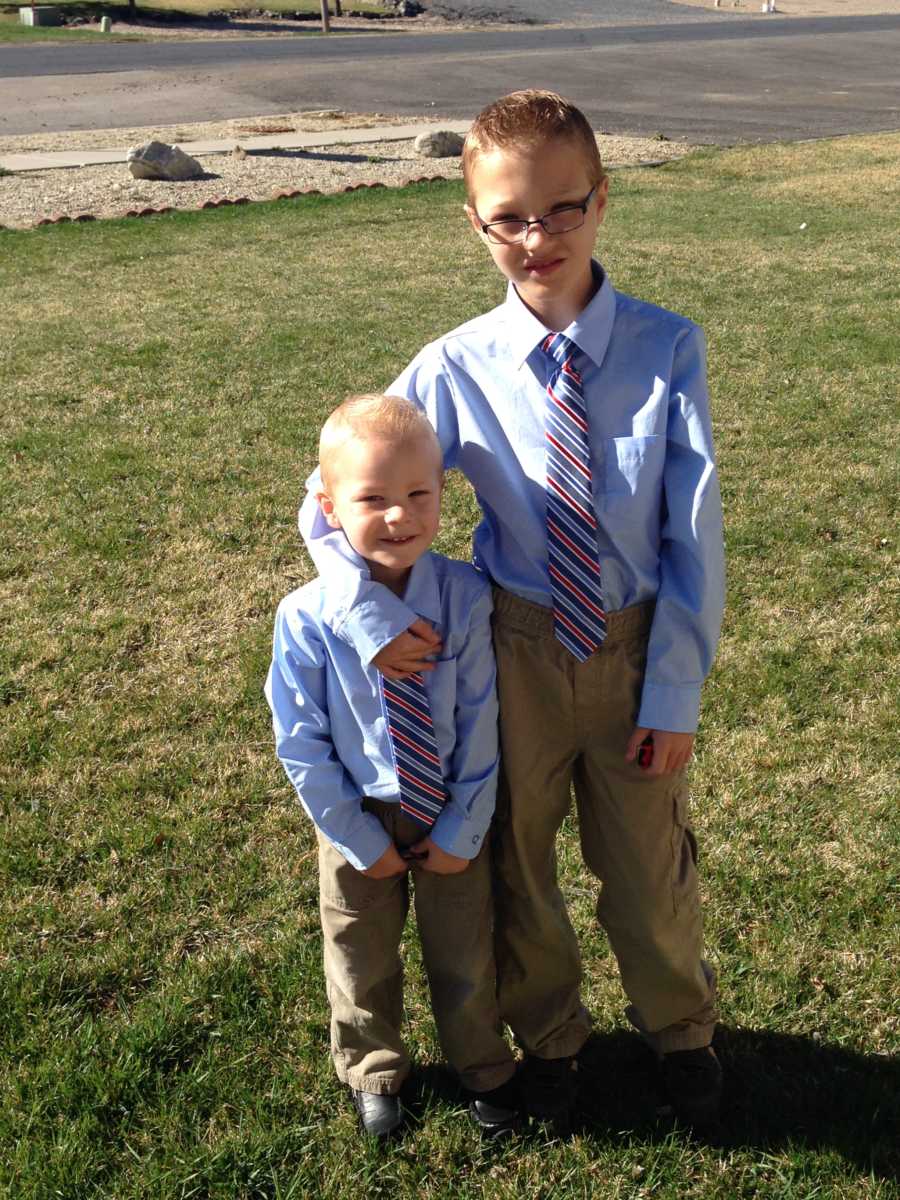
[684, 853]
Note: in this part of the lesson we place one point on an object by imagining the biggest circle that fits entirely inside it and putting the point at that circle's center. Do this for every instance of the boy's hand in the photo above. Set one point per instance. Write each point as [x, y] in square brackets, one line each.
[409, 651]
[671, 751]
[438, 861]
[388, 865]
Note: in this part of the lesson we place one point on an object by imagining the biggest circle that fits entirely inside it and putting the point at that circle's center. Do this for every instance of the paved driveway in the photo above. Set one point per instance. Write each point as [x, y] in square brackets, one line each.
[706, 78]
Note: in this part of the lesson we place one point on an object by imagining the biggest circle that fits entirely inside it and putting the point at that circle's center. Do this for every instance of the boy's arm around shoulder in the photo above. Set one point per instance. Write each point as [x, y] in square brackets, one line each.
[472, 779]
[691, 594]
[296, 689]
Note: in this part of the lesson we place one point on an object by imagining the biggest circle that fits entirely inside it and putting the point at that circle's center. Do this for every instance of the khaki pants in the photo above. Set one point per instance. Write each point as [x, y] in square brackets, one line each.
[565, 724]
[362, 923]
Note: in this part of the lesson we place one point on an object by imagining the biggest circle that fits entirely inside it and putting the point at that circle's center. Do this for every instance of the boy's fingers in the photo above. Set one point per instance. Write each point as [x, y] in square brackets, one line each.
[634, 743]
[390, 673]
[421, 629]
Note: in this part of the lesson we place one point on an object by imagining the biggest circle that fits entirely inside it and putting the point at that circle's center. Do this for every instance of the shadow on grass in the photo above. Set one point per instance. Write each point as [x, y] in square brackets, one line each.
[779, 1090]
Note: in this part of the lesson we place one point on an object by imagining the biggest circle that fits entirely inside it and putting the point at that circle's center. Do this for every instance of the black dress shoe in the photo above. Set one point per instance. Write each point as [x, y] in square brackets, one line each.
[693, 1083]
[549, 1087]
[380, 1115]
[497, 1113]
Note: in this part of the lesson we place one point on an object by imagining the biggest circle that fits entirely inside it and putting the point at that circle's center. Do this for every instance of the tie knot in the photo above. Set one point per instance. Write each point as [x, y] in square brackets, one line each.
[559, 348]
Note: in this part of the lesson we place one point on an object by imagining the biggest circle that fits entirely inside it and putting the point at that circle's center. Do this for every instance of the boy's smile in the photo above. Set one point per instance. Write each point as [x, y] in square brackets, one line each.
[551, 272]
[386, 497]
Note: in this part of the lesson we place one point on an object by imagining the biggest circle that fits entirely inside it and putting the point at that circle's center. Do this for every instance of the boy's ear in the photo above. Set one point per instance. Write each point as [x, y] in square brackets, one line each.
[474, 219]
[326, 504]
[601, 196]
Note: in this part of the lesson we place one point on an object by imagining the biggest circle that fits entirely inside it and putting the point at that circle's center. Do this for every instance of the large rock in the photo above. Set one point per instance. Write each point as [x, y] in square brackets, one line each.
[442, 143]
[156, 160]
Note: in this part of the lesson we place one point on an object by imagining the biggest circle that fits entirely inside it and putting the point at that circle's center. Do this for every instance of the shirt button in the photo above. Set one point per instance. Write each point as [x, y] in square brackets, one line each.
[475, 840]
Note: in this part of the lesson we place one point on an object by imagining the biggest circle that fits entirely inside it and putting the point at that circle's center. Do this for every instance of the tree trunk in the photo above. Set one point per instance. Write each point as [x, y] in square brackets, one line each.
[337, 8]
[326, 18]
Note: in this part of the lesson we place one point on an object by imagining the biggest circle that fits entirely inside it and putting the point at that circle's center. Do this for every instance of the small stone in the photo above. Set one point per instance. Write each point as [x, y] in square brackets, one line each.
[238, 152]
[441, 143]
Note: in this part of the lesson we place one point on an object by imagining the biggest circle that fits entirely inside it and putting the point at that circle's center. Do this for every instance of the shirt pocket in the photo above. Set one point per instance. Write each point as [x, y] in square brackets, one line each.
[631, 478]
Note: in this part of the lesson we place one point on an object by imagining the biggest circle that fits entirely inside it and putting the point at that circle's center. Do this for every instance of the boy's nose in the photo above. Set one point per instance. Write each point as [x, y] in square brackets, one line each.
[395, 514]
[535, 230]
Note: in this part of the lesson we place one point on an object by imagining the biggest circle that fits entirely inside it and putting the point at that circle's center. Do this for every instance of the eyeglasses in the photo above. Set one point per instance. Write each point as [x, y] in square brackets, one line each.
[561, 220]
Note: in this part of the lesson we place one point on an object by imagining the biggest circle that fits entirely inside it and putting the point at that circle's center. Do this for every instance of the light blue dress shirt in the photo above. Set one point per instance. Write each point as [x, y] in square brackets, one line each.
[330, 724]
[656, 493]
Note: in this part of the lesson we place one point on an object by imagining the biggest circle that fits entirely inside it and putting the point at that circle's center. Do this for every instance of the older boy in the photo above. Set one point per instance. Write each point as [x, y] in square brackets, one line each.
[580, 416]
[398, 777]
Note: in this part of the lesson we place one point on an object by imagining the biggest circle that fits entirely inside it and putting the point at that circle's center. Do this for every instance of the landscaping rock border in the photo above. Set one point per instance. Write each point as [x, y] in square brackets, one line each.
[54, 196]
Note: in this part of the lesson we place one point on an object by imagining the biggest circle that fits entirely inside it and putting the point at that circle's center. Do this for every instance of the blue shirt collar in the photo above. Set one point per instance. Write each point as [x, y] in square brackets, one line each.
[422, 594]
[590, 331]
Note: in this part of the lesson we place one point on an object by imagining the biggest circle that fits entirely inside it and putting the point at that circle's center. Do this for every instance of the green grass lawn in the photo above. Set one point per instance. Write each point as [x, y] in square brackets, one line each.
[12, 31]
[163, 1027]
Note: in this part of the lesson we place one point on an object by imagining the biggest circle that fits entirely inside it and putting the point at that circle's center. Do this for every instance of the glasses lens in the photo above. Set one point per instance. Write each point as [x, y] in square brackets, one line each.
[506, 231]
[563, 220]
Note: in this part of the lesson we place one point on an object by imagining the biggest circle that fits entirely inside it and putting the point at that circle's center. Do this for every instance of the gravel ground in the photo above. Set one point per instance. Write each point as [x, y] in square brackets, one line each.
[27, 197]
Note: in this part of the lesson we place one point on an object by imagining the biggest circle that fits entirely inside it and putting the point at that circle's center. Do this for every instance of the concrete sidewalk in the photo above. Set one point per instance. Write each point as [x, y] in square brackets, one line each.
[44, 160]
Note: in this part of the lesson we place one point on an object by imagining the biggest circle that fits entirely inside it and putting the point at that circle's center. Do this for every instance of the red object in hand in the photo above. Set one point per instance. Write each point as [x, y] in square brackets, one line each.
[645, 752]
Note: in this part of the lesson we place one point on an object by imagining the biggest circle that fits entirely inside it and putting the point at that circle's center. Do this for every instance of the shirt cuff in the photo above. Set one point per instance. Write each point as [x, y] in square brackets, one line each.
[670, 707]
[364, 844]
[458, 835]
[371, 625]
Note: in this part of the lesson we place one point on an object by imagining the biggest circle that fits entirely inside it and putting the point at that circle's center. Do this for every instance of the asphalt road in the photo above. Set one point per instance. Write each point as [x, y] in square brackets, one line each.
[715, 80]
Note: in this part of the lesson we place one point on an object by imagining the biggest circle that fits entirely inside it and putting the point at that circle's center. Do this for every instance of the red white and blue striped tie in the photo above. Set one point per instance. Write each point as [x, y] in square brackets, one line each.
[579, 621]
[422, 791]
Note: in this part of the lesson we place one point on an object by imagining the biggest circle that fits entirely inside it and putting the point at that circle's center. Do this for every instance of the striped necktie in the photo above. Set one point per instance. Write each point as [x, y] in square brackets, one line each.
[579, 621]
[422, 791]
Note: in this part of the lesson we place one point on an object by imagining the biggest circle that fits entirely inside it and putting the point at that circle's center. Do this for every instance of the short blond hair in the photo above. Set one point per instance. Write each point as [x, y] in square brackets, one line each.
[388, 418]
[525, 119]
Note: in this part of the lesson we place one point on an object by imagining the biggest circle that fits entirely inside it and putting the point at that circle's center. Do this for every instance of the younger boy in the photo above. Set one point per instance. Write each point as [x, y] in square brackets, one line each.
[580, 416]
[399, 777]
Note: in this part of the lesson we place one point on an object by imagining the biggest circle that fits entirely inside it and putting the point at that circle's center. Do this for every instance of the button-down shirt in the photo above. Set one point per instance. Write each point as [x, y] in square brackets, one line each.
[654, 483]
[330, 722]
